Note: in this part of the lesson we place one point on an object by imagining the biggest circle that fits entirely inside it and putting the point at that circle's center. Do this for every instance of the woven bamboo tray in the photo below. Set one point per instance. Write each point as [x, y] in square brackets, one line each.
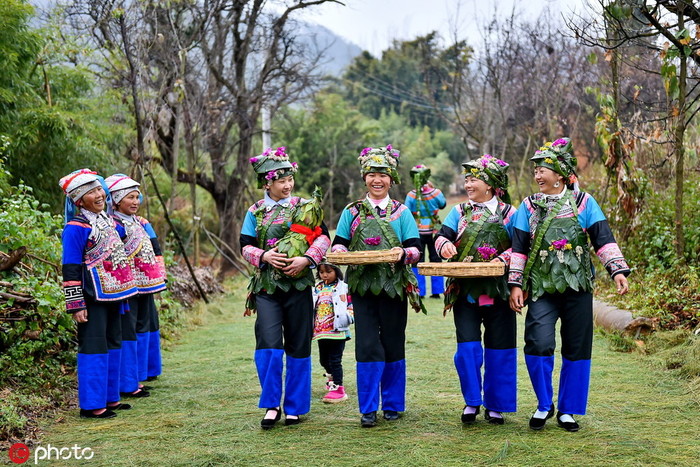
[458, 269]
[363, 257]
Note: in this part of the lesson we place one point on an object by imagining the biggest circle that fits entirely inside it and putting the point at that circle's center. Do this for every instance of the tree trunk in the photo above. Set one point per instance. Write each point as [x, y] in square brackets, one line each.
[679, 136]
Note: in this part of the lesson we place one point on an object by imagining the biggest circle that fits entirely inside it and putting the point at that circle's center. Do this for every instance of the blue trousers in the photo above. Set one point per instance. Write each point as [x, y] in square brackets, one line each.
[498, 388]
[575, 310]
[283, 331]
[380, 336]
[99, 355]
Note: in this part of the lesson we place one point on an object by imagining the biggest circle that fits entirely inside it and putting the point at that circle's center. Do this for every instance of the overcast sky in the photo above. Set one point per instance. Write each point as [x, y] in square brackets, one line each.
[373, 24]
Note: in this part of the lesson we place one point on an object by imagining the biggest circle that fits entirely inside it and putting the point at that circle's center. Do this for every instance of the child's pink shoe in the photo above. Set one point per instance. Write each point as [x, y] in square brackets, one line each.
[335, 394]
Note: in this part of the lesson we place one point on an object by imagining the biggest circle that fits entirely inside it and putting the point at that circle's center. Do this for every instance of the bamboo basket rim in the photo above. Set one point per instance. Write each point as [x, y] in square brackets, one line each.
[362, 257]
[462, 269]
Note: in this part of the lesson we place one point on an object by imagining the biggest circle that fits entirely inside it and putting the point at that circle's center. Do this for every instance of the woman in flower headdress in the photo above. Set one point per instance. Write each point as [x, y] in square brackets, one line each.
[141, 356]
[280, 290]
[552, 273]
[97, 280]
[380, 291]
[425, 201]
[480, 230]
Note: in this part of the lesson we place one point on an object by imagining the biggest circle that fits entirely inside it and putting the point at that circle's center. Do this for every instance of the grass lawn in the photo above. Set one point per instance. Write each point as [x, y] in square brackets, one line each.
[203, 411]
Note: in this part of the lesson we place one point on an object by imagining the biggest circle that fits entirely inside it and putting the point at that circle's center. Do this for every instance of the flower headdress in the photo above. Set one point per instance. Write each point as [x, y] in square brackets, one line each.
[380, 160]
[559, 157]
[273, 164]
[491, 170]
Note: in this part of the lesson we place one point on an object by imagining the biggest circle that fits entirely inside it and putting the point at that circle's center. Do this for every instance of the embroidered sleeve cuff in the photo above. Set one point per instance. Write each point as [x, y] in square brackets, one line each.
[440, 243]
[505, 256]
[517, 266]
[339, 248]
[253, 255]
[73, 292]
[411, 255]
[318, 249]
[611, 257]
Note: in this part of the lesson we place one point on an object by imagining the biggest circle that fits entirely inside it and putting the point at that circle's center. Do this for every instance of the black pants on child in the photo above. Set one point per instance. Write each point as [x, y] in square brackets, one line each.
[330, 352]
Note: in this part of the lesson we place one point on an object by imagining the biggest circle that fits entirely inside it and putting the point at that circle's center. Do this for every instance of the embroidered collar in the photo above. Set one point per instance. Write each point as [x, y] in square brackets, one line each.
[382, 204]
[285, 202]
[491, 204]
[557, 197]
[125, 217]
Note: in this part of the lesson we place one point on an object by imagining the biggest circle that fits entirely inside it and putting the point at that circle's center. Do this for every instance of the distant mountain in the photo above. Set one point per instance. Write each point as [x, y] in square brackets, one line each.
[338, 52]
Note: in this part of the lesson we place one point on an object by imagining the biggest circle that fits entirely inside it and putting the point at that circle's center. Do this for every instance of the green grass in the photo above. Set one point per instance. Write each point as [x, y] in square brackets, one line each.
[203, 411]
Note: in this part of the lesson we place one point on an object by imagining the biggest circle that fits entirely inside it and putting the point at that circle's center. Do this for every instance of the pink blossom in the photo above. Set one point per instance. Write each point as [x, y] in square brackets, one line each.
[501, 163]
[271, 175]
[559, 142]
[388, 147]
[373, 240]
[560, 244]
[253, 160]
[295, 165]
[487, 252]
[365, 151]
[267, 152]
[272, 241]
[281, 151]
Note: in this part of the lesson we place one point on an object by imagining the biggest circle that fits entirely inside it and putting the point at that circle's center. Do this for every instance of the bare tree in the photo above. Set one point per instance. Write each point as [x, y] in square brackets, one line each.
[216, 62]
[664, 28]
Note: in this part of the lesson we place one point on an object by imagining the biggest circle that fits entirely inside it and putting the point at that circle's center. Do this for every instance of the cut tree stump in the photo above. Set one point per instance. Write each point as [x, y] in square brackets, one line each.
[614, 319]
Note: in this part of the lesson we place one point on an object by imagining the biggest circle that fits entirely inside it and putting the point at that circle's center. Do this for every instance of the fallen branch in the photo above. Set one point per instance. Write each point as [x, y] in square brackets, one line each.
[18, 298]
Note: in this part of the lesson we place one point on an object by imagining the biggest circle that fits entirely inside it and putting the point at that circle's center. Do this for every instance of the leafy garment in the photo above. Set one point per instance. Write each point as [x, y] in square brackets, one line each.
[559, 258]
[482, 240]
[395, 279]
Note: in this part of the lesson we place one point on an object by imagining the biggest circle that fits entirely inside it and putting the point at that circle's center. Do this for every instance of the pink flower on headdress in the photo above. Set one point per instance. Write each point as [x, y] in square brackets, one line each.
[295, 165]
[373, 240]
[267, 152]
[271, 175]
[388, 147]
[559, 142]
[501, 163]
[253, 160]
[365, 151]
[281, 151]
[419, 166]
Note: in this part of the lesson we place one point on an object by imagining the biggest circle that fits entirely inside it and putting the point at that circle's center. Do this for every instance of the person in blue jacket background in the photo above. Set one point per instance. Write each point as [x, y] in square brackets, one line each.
[424, 202]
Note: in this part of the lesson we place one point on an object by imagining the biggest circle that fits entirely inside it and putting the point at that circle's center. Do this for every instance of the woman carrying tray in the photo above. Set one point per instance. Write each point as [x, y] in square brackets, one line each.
[280, 289]
[551, 263]
[480, 230]
[380, 291]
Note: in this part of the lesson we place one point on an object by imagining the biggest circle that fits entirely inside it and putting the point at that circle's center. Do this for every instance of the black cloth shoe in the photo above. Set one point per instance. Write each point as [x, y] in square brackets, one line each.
[391, 415]
[151, 378]
[369, 420]
[468, 418]
[139, 393]
[435, 295]
[292, 421]
[267, 423]
[538, 423]
[493, 420]
[88, 414]
[568, 426]
[119, 407]
[146, 388]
